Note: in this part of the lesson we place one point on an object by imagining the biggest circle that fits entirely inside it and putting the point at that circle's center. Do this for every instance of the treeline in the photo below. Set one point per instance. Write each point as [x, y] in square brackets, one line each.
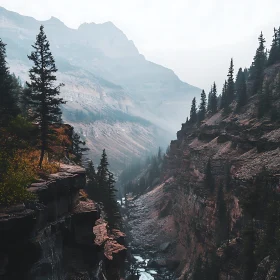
[248, 82]
[141, 175]
[111, 117]
[260, 200]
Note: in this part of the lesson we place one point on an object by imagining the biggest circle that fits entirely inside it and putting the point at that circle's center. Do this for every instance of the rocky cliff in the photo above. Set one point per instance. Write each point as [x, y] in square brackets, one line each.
[180, 219]
[53, 238]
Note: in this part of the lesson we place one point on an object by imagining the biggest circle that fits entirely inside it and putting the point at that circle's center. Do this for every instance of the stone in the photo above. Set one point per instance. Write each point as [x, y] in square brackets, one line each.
[164, 246]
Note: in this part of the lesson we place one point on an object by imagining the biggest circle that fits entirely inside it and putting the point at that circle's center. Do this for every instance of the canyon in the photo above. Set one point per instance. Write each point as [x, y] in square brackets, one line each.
[177, 219]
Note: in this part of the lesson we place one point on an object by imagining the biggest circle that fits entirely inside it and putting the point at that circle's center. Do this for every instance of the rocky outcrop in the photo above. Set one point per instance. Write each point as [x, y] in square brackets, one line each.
[53, 237]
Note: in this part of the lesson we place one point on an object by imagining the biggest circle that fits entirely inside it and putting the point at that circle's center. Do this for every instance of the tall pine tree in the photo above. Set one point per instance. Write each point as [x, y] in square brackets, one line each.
[264, 103]
[193, 113]
[202, 107]
[213, 102]
[257, 68]
[107, 192]
[91, 185]
[209, 98]
[44, 93]
[8, 103]
[238, 78]
[111, 204]
[102, 171]
[78, 147]
[230, 84]
[274, 51]
[223, 97]
[241, 89]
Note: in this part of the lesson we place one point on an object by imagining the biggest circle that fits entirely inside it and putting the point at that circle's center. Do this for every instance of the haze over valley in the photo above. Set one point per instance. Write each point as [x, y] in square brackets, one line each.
[139, 140]
[116, 99]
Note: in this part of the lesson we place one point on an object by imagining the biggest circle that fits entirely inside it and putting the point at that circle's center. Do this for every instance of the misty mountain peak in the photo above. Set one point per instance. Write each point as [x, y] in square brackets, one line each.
[108, 26]
[54, 20]
[108, 37]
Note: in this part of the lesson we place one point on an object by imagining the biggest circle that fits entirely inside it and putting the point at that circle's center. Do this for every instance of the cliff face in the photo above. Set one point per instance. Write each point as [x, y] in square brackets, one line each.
[52, 238]
[239, 146]
[239, 143]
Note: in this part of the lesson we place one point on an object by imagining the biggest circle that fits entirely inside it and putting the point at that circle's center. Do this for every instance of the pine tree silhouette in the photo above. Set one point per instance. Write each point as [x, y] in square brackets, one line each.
[44, 92]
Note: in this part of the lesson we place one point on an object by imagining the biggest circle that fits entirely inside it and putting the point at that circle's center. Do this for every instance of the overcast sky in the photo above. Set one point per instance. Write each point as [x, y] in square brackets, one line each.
[195, 38]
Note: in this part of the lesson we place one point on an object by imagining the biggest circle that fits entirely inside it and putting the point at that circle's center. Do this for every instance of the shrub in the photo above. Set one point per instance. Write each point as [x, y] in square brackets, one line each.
[18, 175]
[83, 195]
[18, 171]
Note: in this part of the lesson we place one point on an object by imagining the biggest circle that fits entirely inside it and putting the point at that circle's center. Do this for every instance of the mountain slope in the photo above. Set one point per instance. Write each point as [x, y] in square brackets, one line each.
[106, 80]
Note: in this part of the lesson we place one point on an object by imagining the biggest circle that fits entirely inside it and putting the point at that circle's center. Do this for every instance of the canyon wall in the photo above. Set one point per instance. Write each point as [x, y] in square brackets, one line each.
[53, 237]
[184, 211]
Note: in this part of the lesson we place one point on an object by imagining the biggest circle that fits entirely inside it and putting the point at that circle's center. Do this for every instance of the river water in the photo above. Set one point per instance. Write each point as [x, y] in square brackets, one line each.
[144, 272]
[141, 263]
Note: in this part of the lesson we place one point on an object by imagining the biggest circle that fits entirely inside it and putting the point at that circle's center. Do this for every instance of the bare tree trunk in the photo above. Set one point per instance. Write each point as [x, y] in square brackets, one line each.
[42, 156]
[44, 144]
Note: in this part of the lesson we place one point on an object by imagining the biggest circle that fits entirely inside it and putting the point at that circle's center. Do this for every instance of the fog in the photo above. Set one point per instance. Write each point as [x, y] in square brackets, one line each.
[186, 36]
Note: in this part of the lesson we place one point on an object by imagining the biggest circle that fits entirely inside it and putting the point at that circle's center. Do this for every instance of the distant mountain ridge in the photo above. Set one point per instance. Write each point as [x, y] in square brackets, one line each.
[104, 73]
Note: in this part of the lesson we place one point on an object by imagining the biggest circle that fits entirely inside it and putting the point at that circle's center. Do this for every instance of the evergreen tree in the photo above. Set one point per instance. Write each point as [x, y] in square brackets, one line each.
[258, 65]
[25, 106]
[44, 100]
[16, 90]
[110, 203]
[246, 74]
[202, 107]
[193, 113]
[77, 148]
[264, 103]
[91, 185]
[105, 192]
[209, 98]
[91, 171]
[223, 97]
[238, 78]
[213, 102]
[274, 51]
[278, 42]
[209, 178]
[8, 104]
[241, 89]
[102, 170]
[230, 84]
